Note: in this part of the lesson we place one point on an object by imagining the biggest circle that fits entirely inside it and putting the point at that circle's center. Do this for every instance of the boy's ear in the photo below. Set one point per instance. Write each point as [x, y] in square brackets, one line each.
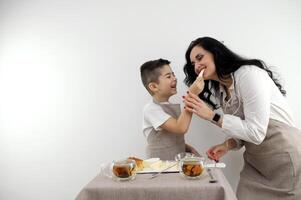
[153, 87]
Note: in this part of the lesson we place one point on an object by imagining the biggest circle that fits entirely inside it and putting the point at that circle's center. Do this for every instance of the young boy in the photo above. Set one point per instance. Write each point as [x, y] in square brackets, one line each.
[163, 123]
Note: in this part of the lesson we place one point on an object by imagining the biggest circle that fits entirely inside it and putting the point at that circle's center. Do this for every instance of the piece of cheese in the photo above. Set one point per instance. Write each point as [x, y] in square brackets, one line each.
[148, 162]
[162, 165]
[156, 165]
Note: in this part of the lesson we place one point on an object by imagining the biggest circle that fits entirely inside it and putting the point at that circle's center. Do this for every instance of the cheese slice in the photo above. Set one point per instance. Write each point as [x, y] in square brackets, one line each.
[162, 165]
[157, 165]
[148, 162]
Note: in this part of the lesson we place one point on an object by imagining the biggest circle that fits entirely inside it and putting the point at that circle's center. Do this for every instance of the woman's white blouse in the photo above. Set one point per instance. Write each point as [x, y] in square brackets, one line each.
[255, 99]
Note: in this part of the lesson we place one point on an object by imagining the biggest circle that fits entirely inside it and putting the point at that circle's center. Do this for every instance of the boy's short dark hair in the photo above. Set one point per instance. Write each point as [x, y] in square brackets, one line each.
[150, 71]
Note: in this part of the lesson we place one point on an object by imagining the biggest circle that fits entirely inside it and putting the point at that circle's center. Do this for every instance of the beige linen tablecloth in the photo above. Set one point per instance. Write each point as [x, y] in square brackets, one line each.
[166, 186]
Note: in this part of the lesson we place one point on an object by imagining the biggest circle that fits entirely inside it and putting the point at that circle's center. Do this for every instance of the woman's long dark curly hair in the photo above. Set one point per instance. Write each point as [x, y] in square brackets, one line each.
[226, 62]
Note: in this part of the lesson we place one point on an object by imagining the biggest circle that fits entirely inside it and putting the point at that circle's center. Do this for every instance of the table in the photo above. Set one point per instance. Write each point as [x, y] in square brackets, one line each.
[165, 186]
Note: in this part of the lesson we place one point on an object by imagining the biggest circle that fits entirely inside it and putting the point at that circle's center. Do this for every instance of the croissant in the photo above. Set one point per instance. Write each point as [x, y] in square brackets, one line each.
[139, 163]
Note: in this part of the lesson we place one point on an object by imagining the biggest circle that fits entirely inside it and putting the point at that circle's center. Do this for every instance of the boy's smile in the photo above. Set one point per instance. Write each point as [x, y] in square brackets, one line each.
[167, 84]
[168, 78]
[174, 84]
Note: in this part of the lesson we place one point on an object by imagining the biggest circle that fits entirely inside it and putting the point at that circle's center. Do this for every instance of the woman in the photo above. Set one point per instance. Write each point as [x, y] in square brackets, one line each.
[255, 116]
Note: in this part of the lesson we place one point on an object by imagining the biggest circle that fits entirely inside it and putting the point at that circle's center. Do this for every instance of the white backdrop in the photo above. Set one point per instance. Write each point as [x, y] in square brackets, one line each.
[70, 91]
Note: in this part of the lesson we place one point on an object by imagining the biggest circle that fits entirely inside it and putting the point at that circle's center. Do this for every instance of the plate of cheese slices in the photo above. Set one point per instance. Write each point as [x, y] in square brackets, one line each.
[154, 165]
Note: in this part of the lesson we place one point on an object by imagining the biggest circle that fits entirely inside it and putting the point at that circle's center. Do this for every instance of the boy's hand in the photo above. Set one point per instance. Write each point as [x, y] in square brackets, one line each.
[198, 85]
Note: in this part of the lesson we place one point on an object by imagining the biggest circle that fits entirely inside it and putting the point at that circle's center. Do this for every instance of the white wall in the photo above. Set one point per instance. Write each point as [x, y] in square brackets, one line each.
[70, 91]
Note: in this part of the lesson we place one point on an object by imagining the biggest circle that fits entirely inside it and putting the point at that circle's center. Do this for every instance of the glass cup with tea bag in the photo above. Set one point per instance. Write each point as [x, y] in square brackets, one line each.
[120, 170]
[192, 167]
[182, 155]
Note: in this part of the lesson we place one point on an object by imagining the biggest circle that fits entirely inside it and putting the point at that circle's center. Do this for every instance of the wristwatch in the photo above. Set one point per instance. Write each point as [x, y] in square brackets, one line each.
[216, 118]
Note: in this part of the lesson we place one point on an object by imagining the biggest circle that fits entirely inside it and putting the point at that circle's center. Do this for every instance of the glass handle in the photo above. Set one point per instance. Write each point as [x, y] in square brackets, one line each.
[105, 170]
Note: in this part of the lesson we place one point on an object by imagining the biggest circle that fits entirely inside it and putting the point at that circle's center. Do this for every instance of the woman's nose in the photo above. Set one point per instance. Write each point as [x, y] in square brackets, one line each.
[197, 65]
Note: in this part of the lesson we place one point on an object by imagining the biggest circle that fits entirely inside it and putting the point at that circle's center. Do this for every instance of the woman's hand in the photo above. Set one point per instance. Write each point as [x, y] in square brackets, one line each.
[195, 105]
[217, 151]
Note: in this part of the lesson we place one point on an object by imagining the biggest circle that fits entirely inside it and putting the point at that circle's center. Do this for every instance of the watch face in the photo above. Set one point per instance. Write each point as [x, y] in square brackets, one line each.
[216, 117]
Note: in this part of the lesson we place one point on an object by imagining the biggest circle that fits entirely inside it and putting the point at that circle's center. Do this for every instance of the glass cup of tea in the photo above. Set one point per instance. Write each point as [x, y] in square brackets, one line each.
[120, 170]
[192, 167]
[182, 155]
